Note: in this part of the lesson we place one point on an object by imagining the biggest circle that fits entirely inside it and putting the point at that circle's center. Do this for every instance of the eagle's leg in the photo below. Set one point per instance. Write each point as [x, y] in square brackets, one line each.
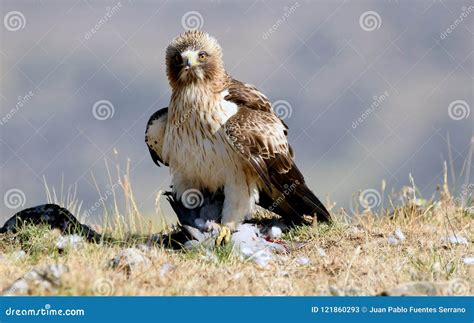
[224, 234]
[239, 204]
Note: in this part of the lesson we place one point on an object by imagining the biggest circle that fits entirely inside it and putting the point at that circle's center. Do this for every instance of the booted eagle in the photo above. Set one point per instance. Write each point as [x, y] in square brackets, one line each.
[221, 135]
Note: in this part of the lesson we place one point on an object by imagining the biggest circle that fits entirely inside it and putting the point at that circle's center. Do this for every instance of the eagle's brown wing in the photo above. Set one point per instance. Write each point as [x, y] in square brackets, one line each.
[261, 138]
[247, 95]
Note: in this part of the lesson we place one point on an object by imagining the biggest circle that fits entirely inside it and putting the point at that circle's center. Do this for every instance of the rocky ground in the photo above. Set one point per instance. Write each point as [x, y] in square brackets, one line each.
[421, 248]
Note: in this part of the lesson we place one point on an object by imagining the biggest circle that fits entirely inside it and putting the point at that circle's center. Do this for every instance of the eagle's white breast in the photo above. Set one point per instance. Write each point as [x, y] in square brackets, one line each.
[195, 145]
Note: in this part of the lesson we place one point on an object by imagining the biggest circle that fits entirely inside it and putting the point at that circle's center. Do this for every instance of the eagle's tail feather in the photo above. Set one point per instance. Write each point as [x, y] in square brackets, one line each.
[307, 203]
[293, 199]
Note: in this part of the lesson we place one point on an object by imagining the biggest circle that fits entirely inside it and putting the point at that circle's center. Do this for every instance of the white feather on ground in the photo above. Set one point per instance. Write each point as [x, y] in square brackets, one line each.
[249, 243]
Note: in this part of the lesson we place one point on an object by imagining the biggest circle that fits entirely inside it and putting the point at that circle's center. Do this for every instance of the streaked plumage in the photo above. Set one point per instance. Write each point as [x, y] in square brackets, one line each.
[221, 134]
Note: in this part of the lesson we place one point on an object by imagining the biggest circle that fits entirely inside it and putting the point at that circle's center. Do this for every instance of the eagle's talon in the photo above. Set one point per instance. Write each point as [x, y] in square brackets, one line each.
[224, 235]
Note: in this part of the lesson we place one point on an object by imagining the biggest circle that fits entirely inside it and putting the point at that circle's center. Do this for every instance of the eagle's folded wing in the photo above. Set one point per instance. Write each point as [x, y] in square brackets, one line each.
[155, 133]
[260, 137]
[247, 95]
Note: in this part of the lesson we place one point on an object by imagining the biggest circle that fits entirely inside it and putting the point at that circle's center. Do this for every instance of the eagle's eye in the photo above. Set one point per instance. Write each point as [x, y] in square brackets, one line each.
[202, 56]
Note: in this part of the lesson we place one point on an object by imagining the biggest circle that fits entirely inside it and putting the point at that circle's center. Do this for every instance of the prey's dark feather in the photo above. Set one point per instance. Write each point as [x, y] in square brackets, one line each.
[53, 216]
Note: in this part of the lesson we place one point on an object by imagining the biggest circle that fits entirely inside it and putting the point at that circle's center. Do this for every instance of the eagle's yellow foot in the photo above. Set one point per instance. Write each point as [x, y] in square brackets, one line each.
[224, 235]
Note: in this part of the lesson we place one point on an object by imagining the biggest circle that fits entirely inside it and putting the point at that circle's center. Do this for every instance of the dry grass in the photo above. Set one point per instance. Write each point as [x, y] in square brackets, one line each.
[358, 258]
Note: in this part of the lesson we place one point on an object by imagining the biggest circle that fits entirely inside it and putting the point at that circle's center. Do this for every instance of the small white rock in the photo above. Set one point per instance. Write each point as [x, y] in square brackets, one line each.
[191, 244]
[304, 261]
[436, 267]
[18, 255]
[72, 241]
[130, 259]
[165, 268]
[46, 277]
[393, 240]
[354, 230]
[262, 258]
[399, 234]
[397, 237]
[457, 239]
[283, 273]
[321, 252]
[210, 256]
[468, 260]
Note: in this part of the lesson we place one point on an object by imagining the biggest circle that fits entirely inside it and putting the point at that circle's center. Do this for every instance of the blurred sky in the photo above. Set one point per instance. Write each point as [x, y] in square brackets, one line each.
[329, 60]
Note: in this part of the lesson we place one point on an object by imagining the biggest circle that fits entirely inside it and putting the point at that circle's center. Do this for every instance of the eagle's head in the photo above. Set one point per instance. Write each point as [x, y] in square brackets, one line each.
[194, 57]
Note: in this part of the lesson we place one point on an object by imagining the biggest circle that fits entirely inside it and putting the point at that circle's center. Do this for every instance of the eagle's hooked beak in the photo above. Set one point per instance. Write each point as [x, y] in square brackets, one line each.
[189, 59]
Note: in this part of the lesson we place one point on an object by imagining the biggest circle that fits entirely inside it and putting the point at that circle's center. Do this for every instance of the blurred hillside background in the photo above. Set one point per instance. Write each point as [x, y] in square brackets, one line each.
[371, 90]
